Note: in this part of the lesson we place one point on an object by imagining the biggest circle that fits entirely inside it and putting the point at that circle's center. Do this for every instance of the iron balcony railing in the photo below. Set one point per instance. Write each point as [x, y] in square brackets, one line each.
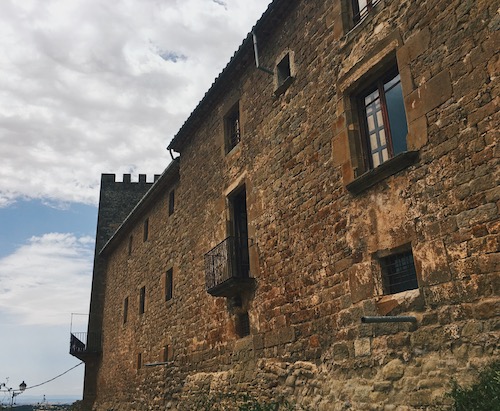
[361, 8]
[83, 344]
[227, 266]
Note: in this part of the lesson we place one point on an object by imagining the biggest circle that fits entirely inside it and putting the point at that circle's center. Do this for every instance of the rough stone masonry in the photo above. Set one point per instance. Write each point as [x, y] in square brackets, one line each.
[286, 162]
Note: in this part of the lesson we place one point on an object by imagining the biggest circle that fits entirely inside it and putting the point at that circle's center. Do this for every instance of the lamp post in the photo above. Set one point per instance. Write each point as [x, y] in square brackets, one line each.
[22, 387]
[14, 393]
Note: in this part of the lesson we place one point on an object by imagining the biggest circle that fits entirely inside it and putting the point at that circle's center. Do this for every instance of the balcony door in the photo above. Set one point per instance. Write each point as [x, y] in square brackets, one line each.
[238, 204]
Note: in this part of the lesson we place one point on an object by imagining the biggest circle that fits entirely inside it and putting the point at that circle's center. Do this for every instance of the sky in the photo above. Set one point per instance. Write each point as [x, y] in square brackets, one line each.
[86, 87]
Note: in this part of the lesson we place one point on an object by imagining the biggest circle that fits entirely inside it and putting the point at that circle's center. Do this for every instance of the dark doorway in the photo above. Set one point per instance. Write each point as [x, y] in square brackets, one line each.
[238, 203]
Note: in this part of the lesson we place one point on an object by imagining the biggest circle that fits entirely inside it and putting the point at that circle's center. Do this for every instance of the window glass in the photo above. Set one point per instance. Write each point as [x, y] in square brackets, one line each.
[385, 126]
[399, 272]
[396, 113]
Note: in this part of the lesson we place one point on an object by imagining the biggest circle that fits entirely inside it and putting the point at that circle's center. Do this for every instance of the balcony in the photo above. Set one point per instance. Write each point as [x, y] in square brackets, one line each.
[227, 268]
[85, 345]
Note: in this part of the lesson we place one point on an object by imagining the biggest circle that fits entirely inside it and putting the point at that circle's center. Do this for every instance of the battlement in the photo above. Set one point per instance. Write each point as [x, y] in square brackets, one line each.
[127, 179]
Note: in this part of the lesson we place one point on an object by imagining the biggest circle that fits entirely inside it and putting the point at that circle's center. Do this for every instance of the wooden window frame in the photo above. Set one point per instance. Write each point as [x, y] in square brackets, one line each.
[378, 84]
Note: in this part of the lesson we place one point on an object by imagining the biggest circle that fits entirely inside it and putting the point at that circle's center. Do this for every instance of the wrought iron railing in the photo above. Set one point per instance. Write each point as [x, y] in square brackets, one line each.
[359, 13]
[227, 260]
[84, 343]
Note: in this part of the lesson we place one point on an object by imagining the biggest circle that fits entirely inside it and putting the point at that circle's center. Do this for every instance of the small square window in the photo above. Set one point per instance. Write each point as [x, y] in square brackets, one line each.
[232, 129]
[383, 119]
[283, 73]
[283, 69]
[169, 284]
[171, 202]
[398, 272]
[361, 8]
[125, 310]
[142, 300]
[146, 229]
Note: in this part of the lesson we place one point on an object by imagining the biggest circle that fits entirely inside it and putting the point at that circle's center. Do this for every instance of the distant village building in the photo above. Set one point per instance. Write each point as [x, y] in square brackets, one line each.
[329, 230]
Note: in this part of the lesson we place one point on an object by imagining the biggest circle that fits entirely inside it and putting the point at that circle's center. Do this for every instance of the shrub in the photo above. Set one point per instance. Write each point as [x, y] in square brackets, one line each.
[484, 395]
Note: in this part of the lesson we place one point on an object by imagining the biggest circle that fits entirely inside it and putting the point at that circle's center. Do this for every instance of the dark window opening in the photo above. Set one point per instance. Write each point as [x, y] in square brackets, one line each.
[383, 120]
[130, 242]
[139, 361]
[166, 355]
[125, 310]
[142, 300]
[238, 204]
[146, 229]
[232, 127]
[242, 325]
[361, 8]
[169, 284]
[171, 202]
[283, 69]
[398, 272]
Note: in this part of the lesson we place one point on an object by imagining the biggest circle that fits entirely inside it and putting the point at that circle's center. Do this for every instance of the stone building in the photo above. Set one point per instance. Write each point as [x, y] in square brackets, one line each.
[329, 230]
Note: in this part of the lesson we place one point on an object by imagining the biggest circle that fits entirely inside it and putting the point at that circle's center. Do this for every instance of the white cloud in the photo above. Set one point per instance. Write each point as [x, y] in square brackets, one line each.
[89, 86]
[46, 280]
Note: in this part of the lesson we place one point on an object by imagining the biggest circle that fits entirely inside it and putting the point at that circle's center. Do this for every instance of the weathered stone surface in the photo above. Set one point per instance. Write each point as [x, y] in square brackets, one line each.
[315, 249]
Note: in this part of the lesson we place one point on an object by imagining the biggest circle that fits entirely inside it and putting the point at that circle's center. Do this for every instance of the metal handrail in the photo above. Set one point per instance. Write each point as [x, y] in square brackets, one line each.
[222, 262]
[84, 343]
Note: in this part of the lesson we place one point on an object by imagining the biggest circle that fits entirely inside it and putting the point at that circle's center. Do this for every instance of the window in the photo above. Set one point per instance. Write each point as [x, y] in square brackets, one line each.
[242, 325]
[146, 229]
[361, 8]
[142, 300]
[232, 127]
[398, 272]
[125, 310]
[383, 119]
[169, 284]
[167, 353]
[139, 361]
[130, 242]
[171, 202]
[283, 69]
[284, 73]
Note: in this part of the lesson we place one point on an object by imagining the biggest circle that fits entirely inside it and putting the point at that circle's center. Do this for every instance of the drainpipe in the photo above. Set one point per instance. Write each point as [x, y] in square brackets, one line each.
[388, 319]
[256, 51]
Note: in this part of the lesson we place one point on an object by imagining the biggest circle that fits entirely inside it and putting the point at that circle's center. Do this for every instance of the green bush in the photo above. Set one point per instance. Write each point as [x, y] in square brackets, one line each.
[483, 395]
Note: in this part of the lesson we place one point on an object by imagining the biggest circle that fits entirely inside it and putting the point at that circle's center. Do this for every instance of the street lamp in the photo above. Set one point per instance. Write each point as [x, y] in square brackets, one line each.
[14, 393]
[22, 387]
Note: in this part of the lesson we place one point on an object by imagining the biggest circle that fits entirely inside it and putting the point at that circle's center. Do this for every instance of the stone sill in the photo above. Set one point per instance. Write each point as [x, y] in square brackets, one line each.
[386, 169]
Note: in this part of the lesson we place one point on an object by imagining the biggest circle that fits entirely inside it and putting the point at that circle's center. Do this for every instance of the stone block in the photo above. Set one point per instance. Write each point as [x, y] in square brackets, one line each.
[428, 96]
[393, 370]
[487, 309]
[417, 133]
[362, 347]
[415, 46]
[432, 262]
[361, 281]
[340, 149]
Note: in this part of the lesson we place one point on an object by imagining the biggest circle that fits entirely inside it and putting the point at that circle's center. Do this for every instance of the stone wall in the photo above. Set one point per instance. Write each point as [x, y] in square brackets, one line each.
[315, 244]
